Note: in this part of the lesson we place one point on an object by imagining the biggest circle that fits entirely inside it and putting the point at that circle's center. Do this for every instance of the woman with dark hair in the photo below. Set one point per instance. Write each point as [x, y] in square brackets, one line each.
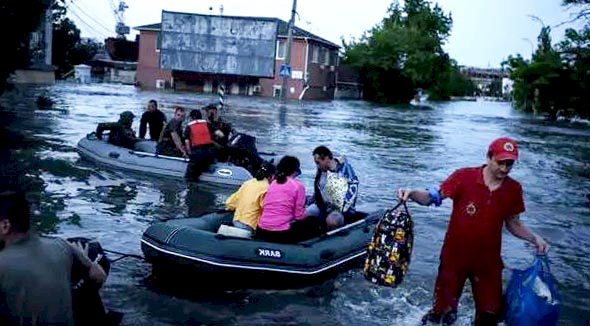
[283, 204]
[247, 201]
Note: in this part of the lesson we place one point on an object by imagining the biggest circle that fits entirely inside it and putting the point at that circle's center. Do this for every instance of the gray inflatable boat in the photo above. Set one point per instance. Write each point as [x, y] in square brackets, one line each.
[143, 159]
[194, 247]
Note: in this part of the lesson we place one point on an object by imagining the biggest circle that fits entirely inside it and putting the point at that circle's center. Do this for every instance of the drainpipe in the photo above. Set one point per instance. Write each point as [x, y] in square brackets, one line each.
[305, 74]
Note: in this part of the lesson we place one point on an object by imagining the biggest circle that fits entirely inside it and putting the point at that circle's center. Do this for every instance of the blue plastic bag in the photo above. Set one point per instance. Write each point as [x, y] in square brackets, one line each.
[532, 297]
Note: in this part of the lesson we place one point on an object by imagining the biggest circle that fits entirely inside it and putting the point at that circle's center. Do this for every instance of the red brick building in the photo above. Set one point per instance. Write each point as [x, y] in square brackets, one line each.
[314, 62]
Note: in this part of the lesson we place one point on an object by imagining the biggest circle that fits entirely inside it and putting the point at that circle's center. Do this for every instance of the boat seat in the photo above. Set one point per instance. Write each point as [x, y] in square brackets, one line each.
[232, 231]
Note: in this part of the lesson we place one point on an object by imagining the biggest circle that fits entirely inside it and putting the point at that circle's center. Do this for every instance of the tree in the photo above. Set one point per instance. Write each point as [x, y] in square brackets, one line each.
[556, 80]
[68, 48]
[19, 18]
[404, 52]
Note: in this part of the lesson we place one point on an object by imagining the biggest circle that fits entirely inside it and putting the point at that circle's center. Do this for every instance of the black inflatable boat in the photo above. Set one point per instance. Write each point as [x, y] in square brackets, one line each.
[193, 245]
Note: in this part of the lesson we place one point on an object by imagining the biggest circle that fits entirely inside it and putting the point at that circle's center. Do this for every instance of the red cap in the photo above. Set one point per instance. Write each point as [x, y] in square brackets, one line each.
[504, 149]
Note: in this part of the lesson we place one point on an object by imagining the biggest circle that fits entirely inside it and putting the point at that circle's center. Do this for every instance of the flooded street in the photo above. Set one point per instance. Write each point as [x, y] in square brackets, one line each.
[389, 147]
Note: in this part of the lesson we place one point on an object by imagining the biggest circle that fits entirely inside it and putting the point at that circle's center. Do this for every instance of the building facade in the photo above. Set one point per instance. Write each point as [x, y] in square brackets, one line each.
[314, 62]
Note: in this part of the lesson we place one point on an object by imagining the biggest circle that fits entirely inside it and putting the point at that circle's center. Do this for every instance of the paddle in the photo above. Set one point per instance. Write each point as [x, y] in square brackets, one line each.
[159, 156]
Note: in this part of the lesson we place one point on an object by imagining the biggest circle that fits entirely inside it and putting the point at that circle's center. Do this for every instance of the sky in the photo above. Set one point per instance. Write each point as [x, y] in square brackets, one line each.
[484, 32]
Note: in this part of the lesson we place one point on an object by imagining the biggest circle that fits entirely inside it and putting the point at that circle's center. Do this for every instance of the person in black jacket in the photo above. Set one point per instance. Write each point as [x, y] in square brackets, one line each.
[153, 117]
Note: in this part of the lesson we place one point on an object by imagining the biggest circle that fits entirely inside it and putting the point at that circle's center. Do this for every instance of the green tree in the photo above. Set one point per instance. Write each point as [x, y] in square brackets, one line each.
[556, 81]
[18, 18]
[404, 52]
[68, 47]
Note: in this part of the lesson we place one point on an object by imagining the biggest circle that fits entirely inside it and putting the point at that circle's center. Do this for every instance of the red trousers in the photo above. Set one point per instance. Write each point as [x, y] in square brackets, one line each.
[486, 283]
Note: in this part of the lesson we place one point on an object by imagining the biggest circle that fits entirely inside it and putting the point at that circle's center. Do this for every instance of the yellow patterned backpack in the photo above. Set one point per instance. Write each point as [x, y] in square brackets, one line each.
[390, 250]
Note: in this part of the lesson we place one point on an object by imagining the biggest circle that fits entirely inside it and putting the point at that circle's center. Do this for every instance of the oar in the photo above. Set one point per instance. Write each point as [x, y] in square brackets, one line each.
[160, 156]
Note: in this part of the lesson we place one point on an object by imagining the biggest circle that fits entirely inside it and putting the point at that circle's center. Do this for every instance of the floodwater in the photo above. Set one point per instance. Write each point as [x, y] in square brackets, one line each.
[389, 147]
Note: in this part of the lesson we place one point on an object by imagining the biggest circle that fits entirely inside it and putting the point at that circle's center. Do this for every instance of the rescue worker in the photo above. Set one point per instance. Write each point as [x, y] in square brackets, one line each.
[485, 199]
[121, 133]
[170, 142]
[153, 118]
[198, 144]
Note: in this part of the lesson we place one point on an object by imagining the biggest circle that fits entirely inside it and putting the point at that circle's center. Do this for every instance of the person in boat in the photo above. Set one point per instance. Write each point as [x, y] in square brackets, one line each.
[154, 118]
[239, 149]
[484, 199]
[170, 142]
[283, 207]
[198, 144]
[247, 201]
[120, 132]
[220, 132]
[335, 189]
[36, 272]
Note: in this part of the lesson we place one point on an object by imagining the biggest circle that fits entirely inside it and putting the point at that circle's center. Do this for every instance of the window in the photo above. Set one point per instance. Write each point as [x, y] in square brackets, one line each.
[316, 54]
[322, 56]
[276, 90]
[281, 49]
[327, 58]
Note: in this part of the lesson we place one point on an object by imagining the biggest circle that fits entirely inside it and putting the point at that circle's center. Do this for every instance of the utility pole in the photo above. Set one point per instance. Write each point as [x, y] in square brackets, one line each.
[284, 89]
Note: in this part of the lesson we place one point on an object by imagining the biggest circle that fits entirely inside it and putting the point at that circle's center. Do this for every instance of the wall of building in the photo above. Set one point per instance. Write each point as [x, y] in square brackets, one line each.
[320, 72]
[295, 86]
[35, 77]
[321, 67]
[148, 63]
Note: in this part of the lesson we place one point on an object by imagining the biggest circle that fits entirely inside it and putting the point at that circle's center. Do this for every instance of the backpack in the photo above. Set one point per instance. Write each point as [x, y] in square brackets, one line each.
[390, 250]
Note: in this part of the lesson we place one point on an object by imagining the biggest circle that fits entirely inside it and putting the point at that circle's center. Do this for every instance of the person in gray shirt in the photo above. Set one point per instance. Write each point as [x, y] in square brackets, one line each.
[35, 272]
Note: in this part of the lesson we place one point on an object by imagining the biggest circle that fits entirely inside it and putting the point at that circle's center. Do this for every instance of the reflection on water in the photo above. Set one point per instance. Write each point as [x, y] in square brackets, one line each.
[388, 147]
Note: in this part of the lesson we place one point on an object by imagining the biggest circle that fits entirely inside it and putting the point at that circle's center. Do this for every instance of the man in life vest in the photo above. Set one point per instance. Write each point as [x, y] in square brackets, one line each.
[198, 144]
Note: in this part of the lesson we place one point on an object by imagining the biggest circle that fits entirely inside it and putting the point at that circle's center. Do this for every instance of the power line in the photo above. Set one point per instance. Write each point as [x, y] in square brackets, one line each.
[101, 34]
[92, 18]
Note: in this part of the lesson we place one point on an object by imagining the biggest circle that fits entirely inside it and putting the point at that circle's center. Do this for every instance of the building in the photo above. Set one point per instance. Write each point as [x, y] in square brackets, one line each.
[107, 70]
[348, 85]
[40, 69]
[484, 77]
[314, 61]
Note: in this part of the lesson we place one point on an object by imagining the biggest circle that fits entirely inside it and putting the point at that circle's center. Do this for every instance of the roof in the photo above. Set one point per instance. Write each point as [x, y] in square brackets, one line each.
[301, 33]
[150, 27]
[282, 30]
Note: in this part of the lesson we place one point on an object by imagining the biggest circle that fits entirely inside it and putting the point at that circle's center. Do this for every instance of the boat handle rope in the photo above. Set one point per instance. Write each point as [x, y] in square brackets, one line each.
[123, 255]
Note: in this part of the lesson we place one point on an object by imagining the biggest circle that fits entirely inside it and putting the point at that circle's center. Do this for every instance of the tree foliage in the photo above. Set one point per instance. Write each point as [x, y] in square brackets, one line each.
[404, 52]
[556, 80]
[18, 18]
[68, 47]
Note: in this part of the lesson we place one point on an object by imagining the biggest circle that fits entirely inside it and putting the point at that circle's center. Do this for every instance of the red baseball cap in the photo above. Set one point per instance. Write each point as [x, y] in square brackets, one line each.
[504, 148]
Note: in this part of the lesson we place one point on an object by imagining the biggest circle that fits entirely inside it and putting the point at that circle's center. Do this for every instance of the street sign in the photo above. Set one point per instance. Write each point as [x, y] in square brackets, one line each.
[285, 71]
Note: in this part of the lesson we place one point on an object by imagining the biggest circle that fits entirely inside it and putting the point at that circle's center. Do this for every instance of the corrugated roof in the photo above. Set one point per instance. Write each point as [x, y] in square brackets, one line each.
[282, 30]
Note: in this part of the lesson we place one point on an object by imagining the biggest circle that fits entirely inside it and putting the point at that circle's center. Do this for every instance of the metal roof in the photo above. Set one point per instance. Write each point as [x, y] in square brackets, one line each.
[282, 30]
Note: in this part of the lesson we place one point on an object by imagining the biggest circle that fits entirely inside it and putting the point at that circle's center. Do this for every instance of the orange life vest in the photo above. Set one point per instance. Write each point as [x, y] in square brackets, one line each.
[199, 133]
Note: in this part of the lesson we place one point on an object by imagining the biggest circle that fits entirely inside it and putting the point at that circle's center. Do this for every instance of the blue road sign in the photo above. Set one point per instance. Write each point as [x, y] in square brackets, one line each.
[285, 71]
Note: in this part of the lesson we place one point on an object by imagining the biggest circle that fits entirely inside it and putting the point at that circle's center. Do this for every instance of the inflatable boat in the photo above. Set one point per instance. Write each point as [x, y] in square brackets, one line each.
[144, 160]
[193, 245]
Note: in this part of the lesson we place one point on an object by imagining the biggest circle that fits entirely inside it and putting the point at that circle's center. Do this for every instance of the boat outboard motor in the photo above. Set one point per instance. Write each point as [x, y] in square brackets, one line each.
[86, 301]
[243, 152]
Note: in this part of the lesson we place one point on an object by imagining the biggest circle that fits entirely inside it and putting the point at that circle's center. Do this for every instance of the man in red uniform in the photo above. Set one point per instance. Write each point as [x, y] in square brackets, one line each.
[484, 199]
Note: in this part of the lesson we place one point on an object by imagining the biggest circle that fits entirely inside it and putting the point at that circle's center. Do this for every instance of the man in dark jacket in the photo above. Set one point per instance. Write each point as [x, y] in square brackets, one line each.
[121, 133]
[153, 118]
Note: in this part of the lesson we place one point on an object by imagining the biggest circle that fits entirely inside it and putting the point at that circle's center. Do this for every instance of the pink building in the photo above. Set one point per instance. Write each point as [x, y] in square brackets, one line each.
[314, 62]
